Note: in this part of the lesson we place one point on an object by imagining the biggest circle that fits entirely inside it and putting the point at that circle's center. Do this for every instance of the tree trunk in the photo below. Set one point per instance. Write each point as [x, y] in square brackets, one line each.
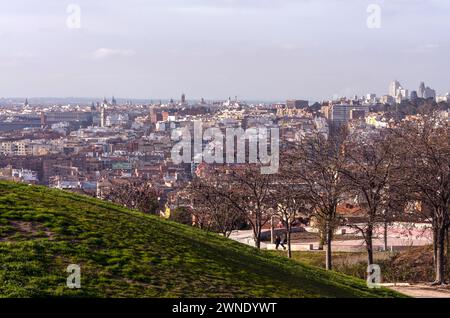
[257, 236]
[435, 250]
[446, 244]
[258, 240]
[329, 235]
[257, 243]
[386, 247]
[289, 241]
[272, 231]
[369, 245]
[440, 257]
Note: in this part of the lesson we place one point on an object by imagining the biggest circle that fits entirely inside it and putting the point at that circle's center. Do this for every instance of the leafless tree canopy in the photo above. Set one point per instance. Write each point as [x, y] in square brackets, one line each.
[372, 174]
[139, 196]
[210, 211]
[425, 151]
[316, 163]
[236, 192]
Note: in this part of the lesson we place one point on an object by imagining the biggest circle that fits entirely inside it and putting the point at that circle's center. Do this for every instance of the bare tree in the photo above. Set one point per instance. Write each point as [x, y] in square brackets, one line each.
[141, 196]
[210, 209]
[371, 174]
[246, 191]
[292, 203]
[426, 161]
[317, 163]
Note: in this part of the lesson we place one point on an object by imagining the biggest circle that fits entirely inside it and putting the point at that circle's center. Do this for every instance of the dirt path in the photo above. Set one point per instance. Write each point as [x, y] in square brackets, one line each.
[423, 291]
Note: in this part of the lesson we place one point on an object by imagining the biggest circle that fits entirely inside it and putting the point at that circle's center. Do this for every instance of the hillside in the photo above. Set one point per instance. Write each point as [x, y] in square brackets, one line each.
[127, 254]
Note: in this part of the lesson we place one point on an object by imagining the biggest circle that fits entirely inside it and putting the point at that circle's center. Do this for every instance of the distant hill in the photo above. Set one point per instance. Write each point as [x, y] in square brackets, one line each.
[124, 253]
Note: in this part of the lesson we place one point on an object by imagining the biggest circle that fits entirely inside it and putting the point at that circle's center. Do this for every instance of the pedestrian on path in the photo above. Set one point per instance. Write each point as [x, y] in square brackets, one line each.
[277, 241]
[284, 242]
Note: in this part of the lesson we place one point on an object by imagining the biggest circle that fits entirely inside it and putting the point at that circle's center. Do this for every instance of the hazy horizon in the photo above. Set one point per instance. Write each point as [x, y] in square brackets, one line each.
[89, 99]
[260, 50]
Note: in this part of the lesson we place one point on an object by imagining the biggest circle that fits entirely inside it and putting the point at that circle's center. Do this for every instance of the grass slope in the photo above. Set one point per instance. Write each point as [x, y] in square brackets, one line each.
[124, 253]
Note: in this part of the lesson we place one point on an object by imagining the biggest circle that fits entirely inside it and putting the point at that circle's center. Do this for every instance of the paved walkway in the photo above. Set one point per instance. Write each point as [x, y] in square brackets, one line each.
[399, 236]
[423, 291]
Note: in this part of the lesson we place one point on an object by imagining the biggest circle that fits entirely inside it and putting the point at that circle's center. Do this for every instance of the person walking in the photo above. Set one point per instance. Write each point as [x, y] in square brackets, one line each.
[277, 241]
[284, 243]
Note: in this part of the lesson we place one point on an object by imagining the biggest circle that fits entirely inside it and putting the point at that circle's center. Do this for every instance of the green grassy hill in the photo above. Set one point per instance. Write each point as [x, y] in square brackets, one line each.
[127, 254]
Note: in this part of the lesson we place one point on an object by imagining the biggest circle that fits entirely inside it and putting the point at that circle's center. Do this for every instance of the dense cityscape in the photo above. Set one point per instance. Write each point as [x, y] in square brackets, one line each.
[85, 147]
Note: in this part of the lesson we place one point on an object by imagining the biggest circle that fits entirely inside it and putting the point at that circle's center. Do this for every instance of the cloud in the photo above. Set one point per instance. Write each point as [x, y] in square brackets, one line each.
[103, 53]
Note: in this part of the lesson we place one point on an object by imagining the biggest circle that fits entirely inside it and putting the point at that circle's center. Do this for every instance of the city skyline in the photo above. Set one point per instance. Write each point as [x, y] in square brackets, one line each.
[89, 99]
[258, 50]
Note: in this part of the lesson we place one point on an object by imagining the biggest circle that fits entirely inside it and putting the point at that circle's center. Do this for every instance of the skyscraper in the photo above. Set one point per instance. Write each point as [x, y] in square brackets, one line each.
[398, 92]
[422, 90]
[393, 88]
[103, 115]
[429, 93]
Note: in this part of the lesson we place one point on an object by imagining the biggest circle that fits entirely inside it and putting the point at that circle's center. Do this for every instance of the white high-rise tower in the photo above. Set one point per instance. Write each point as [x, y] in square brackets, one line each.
[398, 92]
[394, 88]
[103, 114]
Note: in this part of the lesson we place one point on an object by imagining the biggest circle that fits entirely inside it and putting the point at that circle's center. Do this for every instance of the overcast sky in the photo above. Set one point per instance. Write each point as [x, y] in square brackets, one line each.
[256, 49]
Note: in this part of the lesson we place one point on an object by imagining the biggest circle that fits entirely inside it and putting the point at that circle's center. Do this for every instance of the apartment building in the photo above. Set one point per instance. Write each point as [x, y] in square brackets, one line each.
[16, 148]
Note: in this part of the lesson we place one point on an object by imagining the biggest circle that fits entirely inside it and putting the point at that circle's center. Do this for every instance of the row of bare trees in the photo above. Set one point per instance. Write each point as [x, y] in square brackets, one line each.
[226, 195]
[140, 196]
[382, 174]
